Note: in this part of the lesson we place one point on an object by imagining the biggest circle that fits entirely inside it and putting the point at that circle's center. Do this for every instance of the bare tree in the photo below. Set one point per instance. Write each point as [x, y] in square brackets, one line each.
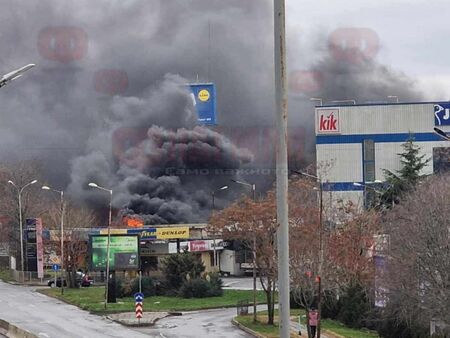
[418, 266]
[76, 219]
[21, 174]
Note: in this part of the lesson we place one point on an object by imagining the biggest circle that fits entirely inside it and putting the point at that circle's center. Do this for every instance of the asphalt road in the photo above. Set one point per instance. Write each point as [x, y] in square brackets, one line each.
[241, 283]
[210, 323]
[49, 318]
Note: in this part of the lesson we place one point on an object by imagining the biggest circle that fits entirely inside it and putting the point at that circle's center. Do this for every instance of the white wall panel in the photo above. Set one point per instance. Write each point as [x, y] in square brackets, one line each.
[340, 162]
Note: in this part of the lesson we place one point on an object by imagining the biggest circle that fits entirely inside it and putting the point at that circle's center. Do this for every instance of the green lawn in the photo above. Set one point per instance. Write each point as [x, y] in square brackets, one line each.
[327, 324]
[91, 299]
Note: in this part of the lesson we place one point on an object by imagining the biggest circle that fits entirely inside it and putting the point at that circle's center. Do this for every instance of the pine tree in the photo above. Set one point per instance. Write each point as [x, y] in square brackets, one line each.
[407, 177]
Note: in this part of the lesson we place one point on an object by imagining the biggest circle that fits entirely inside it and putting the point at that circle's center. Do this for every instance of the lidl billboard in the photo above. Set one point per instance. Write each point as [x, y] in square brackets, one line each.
[204, 99]
[123, 252]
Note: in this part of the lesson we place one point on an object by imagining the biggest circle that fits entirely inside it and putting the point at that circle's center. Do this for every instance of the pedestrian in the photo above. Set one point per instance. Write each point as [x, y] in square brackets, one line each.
[313, 318]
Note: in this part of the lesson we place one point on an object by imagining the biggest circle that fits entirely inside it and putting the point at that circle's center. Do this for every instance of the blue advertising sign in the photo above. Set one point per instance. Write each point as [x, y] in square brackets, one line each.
[204, 98]
[442, 114]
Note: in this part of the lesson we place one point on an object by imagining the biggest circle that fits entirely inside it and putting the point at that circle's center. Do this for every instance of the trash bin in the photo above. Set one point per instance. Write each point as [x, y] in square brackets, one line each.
[242, 307]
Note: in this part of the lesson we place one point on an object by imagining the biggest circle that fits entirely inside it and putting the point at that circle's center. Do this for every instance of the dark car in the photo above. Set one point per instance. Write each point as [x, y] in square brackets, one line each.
[82, 279]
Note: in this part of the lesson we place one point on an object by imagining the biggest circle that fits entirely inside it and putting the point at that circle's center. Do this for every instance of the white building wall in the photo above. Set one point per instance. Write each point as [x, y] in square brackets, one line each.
[340, 153]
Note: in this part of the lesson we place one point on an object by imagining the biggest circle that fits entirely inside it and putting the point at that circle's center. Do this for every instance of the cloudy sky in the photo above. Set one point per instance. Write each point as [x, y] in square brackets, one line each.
[412, 35]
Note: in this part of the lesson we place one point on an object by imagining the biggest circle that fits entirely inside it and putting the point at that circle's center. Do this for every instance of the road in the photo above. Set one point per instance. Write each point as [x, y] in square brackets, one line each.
[241, 283]
[210, 323]
[49, 318]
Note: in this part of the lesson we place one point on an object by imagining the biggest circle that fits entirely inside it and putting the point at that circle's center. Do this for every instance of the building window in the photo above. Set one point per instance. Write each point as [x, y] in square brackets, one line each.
[441, 159]
[369, 171]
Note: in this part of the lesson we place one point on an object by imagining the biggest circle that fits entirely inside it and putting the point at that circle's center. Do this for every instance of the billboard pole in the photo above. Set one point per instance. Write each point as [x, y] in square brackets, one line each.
[108, 248]
[282, 166]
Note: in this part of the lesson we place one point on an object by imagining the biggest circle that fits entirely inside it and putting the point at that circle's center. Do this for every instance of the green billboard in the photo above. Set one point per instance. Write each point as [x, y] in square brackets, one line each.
[123, 252]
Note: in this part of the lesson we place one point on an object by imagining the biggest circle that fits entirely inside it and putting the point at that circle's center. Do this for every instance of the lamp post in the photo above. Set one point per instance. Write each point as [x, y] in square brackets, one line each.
[61, 192]
[345, 101]
[393, 97]
[253, 187]
[213, 208]
[366, 185]
[441, 133]
[319, 99]
[95, 185]
[321, 254]
[19, 191]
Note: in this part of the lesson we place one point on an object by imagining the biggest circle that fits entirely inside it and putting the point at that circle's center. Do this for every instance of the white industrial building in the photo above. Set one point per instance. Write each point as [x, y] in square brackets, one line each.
[354, 143]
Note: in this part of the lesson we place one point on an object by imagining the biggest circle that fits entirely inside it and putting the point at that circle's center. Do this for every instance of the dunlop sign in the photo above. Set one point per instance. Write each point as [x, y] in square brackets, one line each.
[172, 233]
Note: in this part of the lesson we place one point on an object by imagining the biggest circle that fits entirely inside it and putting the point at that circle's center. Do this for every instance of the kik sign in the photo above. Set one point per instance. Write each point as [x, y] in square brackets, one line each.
[327, 121]
[442, 114]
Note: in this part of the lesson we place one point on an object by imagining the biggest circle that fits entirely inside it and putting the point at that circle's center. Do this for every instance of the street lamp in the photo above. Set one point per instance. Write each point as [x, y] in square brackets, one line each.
[344, 101]
[253, 187]
[95, 185]
[317, 99]
[20, 190]
[319, 300]
[213, 207]
[393, 97]
[61, 192]
[366, 185]
[441, 133]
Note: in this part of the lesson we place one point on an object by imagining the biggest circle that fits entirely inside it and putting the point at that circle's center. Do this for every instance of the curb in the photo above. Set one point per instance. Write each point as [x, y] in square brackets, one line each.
[14, 331]
[246, 329]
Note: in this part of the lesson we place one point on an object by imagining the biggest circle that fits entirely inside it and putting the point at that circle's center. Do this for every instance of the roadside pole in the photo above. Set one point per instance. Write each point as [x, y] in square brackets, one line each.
[282, 167]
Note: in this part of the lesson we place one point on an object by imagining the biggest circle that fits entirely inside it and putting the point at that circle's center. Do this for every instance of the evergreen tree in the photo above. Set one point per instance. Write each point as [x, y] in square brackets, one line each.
[407, 177]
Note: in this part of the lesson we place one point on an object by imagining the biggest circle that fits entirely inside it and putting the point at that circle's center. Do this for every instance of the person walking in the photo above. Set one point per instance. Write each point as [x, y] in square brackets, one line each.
[313, 318]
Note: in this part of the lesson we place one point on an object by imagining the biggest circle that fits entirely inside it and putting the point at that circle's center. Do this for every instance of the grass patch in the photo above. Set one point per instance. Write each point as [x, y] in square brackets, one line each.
[91, 299]
[271, 331]
[5, 275]
[341, 329]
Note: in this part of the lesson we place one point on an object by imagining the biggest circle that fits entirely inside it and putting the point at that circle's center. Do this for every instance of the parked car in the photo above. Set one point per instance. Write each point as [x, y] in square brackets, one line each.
[82, 279]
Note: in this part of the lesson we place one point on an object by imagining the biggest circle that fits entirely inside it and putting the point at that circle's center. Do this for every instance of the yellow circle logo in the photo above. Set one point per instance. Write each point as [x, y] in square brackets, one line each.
[203, 95]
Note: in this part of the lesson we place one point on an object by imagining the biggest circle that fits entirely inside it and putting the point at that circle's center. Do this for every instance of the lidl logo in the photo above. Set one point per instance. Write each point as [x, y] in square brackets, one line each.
[203, 95]
[442, 114]
[327, 121]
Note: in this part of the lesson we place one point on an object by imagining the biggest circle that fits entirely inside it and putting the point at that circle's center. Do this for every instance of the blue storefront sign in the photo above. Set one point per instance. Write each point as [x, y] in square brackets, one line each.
[204, 98]
[442, 114]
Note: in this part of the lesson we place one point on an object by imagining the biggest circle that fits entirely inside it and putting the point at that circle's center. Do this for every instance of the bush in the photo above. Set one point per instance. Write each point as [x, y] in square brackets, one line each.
[176, 267]
[215, 285]
[330, 305]
[148, 287]
[123, 288]
[195, 288]
[354, 306]
[200, 288]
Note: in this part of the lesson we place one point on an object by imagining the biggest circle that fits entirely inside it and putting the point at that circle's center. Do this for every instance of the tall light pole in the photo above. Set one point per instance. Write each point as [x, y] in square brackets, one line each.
[253, 187]
[281, 112]
[319, 99]
[366, 185]
[61, 192]
[213, 208]
[95, 185]
[321, 255]
[19, 191]
[345, 101]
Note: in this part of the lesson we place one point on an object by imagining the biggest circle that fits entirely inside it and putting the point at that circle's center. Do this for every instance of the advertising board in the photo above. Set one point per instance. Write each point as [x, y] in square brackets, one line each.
[123, 252]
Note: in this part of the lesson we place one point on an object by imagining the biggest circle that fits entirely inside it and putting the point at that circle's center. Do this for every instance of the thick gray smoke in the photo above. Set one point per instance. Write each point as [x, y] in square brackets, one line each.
[100, 106]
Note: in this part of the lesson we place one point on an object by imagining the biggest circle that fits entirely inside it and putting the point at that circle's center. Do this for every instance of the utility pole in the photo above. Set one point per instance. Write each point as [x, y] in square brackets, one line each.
[282, 167]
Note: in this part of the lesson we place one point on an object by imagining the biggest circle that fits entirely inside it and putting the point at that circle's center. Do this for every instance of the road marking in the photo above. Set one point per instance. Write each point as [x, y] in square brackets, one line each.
[43, 334]
[163, 336]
